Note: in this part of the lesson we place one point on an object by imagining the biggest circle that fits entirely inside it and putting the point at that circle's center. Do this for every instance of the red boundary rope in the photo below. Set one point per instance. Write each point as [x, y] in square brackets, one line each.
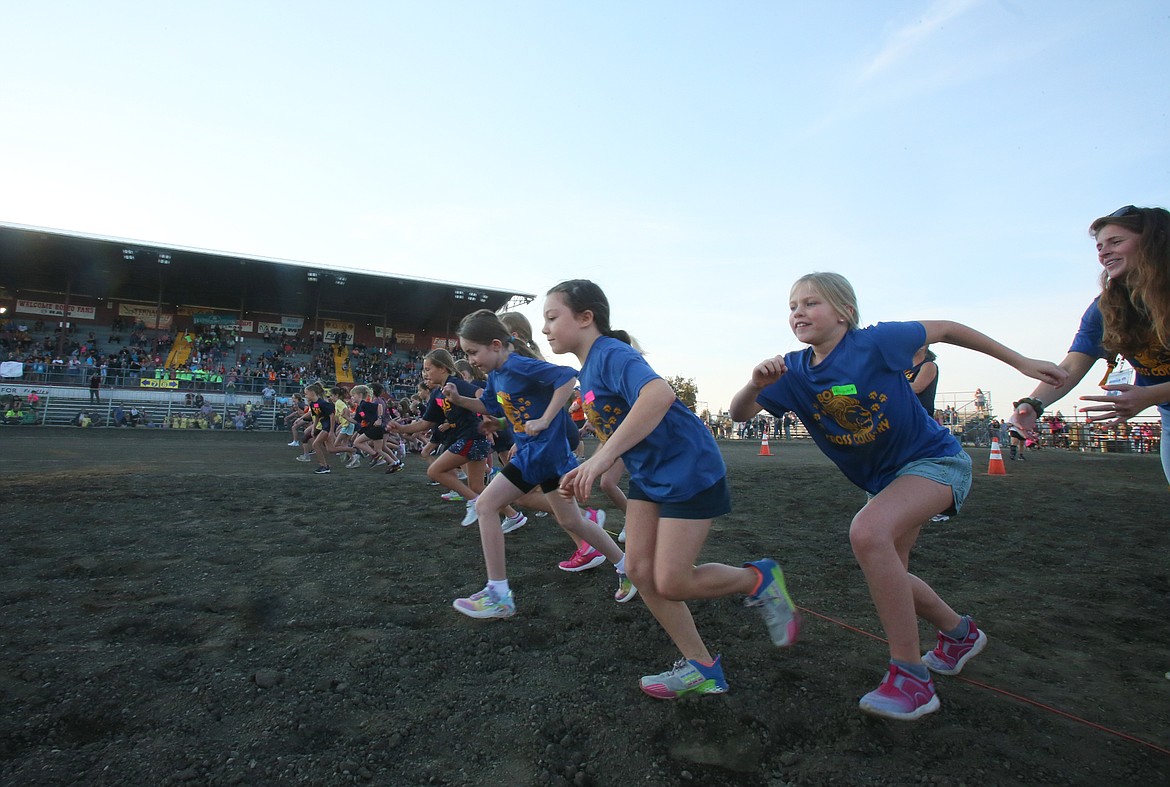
[1016, 697]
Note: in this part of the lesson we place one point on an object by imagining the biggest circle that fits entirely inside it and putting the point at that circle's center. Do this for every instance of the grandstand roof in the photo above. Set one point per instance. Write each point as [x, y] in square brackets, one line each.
[37, 260]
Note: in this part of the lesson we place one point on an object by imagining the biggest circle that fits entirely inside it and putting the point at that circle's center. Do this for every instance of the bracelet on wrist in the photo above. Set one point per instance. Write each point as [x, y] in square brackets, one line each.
[1032, 402]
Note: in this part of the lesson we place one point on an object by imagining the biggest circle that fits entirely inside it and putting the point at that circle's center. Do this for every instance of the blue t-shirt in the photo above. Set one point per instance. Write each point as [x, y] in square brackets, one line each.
[520, 391]
[1151, 366]
[679, 458]
[322, 409]
[857, 404]
[464, 422]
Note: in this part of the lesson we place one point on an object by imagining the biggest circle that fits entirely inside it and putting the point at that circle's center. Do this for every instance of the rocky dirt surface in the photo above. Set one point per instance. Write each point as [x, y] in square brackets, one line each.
[198, 608]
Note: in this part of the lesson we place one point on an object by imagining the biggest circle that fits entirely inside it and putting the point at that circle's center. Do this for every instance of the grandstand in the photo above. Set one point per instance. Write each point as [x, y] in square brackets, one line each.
[157, 321]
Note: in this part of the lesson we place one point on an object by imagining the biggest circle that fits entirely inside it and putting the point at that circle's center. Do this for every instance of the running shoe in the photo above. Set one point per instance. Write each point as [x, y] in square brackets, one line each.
[294, 444]
[511, 523]
[775, 605]
[585, 558]
[322, 470]
[355, 462]
[595, 515]
[394, 468]
[303, 458]
[939, 518]
[378, 461]
[452, 497]
[486, 605]
[901, 696]
[541, 513]
[686, 677]
[461, 475]
[622, 536]
[471, 516]
[949, 656]
[625, 591]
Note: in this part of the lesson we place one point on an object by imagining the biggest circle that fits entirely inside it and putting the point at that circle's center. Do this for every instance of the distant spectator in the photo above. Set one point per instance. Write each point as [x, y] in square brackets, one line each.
[95, 384]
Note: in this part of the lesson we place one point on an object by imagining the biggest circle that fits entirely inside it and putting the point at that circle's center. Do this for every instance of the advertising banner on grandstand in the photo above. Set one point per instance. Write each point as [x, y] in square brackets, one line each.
[292, 323]
[208, 318]
[26, 391]
[275, 327]
[11, 369]
[56, 309]
[229, 321]
[146, 315]
[444, 344]
[145, 383]
[381, 333]
[333, 329]
[404, 338]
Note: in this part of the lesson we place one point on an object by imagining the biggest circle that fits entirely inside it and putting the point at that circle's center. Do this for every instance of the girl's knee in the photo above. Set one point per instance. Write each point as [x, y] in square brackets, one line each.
[864, 537]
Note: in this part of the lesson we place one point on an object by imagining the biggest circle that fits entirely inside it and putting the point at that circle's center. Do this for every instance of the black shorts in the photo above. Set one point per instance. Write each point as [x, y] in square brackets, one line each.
[373, 432]
[512, 473]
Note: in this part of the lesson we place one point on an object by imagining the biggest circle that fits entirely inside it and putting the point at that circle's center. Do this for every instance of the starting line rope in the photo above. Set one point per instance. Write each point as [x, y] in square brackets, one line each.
[1016, 697]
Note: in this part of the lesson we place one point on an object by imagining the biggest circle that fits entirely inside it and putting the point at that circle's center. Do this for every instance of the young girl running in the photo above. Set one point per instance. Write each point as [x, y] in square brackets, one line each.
[346, 426]
[461, 444]
[850, 390]
[323, 425]
[584, 556]
[678, 485]
[531, 394]
[371, 435]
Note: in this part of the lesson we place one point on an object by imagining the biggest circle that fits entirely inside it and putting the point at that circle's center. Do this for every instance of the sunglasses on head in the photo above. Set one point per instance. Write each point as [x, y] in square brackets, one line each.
[1128, 210]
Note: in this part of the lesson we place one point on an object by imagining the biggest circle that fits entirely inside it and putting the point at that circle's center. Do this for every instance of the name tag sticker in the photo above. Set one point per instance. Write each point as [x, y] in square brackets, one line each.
[589, 397]
[844, 390]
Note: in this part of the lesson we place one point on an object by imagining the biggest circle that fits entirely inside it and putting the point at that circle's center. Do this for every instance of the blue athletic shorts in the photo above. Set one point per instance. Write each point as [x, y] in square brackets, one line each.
[713, 501]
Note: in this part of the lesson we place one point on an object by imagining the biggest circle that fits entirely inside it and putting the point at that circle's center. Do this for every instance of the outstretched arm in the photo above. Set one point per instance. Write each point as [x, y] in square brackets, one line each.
[963, 336]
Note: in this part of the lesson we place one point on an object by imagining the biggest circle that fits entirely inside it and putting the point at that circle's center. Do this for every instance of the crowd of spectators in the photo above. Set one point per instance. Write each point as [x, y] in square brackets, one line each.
[220, 358]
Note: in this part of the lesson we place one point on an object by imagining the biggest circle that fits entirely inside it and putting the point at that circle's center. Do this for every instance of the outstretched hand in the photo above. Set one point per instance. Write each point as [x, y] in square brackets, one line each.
[1121, 406]
[450, 391]
[1044, 371]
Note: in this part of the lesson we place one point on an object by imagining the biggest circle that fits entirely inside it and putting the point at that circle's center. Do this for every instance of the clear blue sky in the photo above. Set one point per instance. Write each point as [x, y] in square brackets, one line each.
[692, 158]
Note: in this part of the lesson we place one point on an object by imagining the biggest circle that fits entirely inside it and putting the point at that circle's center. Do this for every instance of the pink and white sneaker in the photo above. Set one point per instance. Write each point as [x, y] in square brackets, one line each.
[901, 696]
[949, 656]
[586, 557]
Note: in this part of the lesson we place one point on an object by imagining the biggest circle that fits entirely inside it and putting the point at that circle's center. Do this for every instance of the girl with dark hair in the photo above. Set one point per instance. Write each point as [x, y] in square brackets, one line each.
[531, 395]
[1130, 318]
[678, 485]
[460, 444]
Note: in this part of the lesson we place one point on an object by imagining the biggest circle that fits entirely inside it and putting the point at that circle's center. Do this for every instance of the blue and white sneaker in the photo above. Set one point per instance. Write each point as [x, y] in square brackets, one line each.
[686, 677]
[775, 605]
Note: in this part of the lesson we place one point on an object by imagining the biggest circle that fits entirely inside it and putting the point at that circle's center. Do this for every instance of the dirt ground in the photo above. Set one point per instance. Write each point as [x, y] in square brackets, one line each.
[198, 608]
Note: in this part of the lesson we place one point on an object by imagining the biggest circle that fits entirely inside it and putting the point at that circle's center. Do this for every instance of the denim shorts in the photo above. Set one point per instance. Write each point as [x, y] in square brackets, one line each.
[954, 471]
[713, 501]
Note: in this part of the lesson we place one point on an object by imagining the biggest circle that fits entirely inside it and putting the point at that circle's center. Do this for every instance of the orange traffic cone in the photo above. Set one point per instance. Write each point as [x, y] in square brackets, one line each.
[995, 466]
[764, 450]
